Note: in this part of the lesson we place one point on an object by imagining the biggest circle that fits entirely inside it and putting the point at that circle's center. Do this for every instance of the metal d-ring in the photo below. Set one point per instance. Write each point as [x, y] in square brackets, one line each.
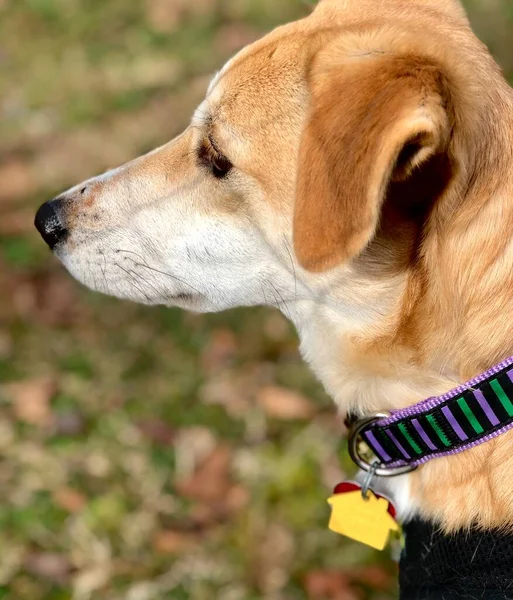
[374, 468]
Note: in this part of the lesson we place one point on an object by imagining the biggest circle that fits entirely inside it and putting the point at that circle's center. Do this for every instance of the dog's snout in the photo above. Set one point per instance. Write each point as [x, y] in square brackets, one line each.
[49, 223]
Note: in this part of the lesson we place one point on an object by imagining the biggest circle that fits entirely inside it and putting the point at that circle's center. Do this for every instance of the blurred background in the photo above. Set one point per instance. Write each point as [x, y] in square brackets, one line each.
[146, 453]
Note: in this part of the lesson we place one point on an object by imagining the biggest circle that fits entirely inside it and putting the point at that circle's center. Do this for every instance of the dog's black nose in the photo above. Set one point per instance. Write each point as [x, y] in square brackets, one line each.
[49, 223]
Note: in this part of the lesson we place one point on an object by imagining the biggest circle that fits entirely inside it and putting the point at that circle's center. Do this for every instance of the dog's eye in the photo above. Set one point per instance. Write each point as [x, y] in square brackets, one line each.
[221, 166]
[212, 158]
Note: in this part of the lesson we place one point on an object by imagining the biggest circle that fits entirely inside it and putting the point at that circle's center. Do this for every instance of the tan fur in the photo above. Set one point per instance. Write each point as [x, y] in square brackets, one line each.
[373, 118]
[379, 133]
[459, 289]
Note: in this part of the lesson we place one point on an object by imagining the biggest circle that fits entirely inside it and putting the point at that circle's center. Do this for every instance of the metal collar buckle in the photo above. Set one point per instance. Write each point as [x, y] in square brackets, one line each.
[354, 452]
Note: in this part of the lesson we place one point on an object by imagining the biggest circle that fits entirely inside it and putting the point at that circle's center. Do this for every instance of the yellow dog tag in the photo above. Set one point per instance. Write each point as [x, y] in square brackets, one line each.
[365, 520]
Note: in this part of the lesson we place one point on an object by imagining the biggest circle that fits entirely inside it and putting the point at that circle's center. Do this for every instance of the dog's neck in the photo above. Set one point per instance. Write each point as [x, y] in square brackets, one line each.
[373, 369]
[358, 373]
[430, 327]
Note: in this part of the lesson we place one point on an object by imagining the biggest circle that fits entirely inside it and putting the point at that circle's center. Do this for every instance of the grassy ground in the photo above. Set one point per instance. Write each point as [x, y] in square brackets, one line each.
[145, 453]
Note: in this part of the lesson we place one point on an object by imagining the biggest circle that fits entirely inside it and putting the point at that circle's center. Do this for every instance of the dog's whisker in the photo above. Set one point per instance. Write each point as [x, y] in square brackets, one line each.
[263, 292]
[133, 283]
[287, 246]
[175, 278]
[104, 270]
[142, 278]
[277, 294]
[166, 274]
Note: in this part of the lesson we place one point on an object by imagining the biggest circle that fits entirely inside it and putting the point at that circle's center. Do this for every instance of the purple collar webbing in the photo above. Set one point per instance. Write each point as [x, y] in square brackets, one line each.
[468, 415]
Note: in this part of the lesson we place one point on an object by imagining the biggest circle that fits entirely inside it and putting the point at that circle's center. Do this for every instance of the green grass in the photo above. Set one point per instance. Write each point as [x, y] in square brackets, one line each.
[93, 464]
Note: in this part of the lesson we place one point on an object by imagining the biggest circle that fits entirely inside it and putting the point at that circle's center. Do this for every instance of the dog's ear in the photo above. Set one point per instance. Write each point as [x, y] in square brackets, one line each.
[373, 120]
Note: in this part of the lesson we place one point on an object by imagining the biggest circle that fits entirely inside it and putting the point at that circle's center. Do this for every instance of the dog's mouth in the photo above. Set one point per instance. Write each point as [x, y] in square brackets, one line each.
[128, 275]
[183, 297]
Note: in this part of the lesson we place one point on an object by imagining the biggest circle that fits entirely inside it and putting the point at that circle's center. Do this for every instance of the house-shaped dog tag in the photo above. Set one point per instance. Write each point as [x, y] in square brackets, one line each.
[366, 520]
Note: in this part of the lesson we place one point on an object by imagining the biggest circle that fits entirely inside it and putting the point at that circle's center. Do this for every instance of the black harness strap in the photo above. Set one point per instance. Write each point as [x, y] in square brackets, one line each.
[473, 565]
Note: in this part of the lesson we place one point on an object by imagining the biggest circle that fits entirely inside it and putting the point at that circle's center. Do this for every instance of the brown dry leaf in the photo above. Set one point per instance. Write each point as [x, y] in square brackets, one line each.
[173, 542]
[211, 480]
[329, 585]
[18, 180]
[373, 576]
[49, 565]
[225, 389]
[220, 350]
[207, 514]
[237, 498]
[47, 297]
[31, 400]
[70, 423]
[164, 15]
[157, 431]
[70, 500]
[280, 403]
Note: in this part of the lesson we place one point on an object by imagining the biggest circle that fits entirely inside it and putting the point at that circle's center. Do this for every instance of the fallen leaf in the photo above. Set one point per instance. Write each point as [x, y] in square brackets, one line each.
[373, 576]
[329, 585]
[220, 350]
[18, 180]
[192, 446]
[70, 500]
[157, 431]
[69, 423]
[49, 565]
[280, 403]
[48, 297]
[173, 542]
[211, 480]
[164, 15]
[208, 514]
[237, 498]
[31, 400]
[92, 579]
[224, 389]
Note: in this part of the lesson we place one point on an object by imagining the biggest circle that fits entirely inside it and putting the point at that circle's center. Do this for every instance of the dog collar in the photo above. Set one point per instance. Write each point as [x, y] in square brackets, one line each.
[467, 416]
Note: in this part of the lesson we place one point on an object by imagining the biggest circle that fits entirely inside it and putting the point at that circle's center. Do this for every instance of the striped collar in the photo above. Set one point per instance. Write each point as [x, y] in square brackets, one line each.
[471, 414]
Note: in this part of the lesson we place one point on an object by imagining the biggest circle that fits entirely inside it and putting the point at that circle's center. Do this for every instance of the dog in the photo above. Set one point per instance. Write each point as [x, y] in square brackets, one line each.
[355, 170]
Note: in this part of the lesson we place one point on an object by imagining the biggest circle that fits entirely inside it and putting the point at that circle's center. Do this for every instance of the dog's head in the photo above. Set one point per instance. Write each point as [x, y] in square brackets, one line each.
[311, 164]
